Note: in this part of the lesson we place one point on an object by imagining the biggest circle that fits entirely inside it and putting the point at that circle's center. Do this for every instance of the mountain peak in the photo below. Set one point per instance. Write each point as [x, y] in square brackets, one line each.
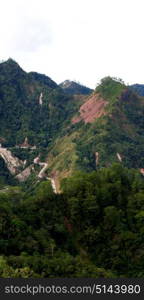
[72, 88]
[66, 83]
[110, 88]
[10, 62]
[138, 88]
[10, 69]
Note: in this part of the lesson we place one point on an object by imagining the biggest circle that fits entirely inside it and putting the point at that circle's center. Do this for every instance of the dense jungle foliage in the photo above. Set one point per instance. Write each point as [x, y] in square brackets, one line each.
[94, 228]
[22, 115]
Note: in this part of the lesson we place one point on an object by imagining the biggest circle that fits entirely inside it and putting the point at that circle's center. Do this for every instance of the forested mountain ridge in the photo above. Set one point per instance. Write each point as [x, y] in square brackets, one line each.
[138, 88]
[31, 105]
[71, 178]
[108, 128]
[94, 228]
[33, 108]
[71, 132]
[74, 88]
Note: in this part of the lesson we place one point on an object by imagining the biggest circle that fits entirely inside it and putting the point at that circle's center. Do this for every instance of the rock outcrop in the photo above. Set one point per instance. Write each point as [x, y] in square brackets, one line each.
[92, 109]
[13, 163]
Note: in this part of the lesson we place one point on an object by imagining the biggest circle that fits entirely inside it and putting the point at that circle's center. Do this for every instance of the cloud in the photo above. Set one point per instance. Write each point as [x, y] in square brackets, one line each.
[31, 35]
[81, 39]
[22, 27]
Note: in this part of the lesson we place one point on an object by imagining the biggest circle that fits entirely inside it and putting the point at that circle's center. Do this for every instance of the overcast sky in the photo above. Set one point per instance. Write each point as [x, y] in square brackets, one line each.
[82, 40]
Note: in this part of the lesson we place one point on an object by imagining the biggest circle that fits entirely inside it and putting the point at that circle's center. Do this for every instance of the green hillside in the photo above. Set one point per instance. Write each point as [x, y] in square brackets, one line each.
[94, 228]
[70, 132]
[71, 178]
[115, 136]
[21, 114]
[75, 88]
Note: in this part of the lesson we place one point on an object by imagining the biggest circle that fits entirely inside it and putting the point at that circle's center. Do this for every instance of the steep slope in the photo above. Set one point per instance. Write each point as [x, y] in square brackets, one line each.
[92, 109]
[68, 132]
[108, 128]
[73, 88]
[31, 105]
[34, 110]
[138, 88]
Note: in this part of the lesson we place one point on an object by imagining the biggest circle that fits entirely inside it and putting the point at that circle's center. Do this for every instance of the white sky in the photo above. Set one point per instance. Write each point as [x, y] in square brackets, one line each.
[82, 40]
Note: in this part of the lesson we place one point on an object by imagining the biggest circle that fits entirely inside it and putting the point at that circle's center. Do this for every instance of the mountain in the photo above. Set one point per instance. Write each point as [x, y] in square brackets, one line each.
[58, 133]
[74, 88]
[138, 88]
[107, 128]
[31, 105]
[34, 110]
[71, 178]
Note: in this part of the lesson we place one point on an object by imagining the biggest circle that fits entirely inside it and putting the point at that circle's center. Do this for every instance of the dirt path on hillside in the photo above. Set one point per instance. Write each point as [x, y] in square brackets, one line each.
[14, 164]
[42, 174]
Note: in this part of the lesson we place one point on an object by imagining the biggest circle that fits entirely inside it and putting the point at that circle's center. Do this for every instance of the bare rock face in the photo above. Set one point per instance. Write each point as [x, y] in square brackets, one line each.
[92, 109]
[119, 157]
[12, 162]
[97, 158]
[41, 99]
